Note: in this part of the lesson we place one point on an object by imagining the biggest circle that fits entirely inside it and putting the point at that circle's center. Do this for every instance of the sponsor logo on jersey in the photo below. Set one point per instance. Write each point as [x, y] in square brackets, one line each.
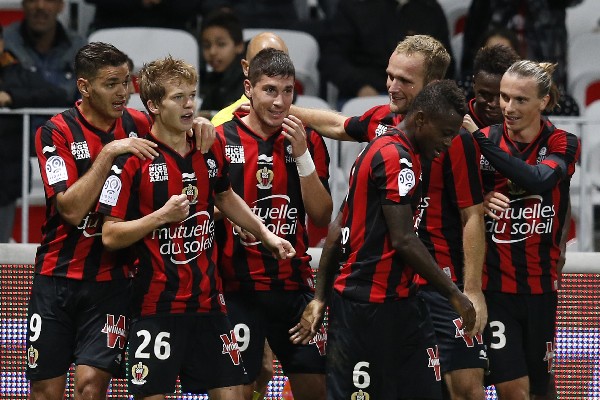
[158, 172]
[289, 159]
[264, 177]
[320, 340]
[139, 372]
[460, 333]
[48, 149]
[56, 170]
[549, 357]
[212, 168]
[235, 154]
[133, 134]
[231, 347]
[423, 204]
[525, 217]
[116, 333]
[514, 189]
[434, 362]
[360, 395]
[32, 357]
[185, 242]
[80, 150]
[278, 215]
[110, 191]
[91, 225]
[542, 154]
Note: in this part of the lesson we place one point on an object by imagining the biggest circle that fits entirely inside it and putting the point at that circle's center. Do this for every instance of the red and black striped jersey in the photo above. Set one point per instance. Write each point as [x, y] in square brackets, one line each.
[372, 123]
[450, 182]
[66, 147]
[177, 271]
[523, 245]
[387, 172]
[263, 172]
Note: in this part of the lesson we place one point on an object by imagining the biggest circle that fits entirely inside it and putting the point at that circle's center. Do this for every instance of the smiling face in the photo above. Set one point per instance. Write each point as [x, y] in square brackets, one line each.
[270, 100]
[434, 134]
[521, 105]
[104, 95]
[486, 87]
[175, 113]
[406, 78]
[219, 49]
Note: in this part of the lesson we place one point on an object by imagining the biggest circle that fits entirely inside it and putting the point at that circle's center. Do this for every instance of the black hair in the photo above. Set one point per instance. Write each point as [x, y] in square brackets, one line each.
[96, 55]
[494, 60]
[439, 97]
[226, 19]
[270, 62]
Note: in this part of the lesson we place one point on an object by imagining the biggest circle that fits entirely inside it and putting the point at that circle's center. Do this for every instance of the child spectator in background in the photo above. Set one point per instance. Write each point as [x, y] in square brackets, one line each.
[222, 48]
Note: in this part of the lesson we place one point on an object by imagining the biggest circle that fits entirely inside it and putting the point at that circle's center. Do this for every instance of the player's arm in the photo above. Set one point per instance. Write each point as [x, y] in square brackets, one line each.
[76, 202]
[317, 200]
[204, 133]
[235, 208]
[563, 243]
[473, 233]
[313, 314]
[118, 233]
[328, 123]
[399, 220]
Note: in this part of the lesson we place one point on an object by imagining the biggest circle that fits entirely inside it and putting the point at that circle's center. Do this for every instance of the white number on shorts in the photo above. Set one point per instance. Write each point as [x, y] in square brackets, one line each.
[498, 333]
[361, 379]
[242, 335]
[35, 326]
[162, 348]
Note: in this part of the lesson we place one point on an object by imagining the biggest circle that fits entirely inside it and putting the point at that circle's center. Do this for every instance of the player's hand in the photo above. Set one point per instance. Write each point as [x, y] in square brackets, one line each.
[477, 298]
[5, 99]
[243, 108]
[494, 204]
[176, 209]
[294, 131]
[465, 309]
[204, 132]
[142, 148]
[243, 234]
[281, 248]
[469, 124]
[309, 323]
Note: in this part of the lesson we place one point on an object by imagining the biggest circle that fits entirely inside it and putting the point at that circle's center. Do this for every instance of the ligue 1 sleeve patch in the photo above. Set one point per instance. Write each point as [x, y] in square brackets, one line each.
[56, 170]
[110, 191]
[406, 181]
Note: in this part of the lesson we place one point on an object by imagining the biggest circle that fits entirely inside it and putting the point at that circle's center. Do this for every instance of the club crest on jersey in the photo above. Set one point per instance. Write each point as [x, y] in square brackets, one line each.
[139, 372]
[116, 333]
[32, 357]
[549, 357]
[80, 150]
[110, 191]
[434, 362]
[158, 172]
[191, 192]
[460, 332]
[542, 154]
[265, 178]
[235, 154]
[230, 346]
[56, 170]
[320, 340]
[360, 395]
[514, 189]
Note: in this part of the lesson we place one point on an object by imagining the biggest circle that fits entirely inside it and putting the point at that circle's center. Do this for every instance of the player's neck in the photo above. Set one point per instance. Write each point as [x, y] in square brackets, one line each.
[96, 118]
[177, 140]
[526, 135]
[258, 127]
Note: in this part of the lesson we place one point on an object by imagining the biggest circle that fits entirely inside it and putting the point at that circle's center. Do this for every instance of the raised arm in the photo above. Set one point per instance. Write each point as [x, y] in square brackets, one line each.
[326, 122]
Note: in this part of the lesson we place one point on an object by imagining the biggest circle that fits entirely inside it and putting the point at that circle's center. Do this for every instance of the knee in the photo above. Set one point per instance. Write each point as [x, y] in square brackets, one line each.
[91, 385]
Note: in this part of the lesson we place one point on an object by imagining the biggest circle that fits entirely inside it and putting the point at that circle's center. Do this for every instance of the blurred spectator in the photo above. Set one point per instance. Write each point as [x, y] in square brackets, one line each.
[176, 14]
[19, 87]
[362, 35]
[222, 49]
[41, 43]
[274, 14]
[539, 25]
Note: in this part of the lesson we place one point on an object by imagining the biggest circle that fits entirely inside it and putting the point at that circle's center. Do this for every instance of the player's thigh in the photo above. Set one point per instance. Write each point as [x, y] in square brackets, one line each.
[50, 329]
[249, 327]
[504, 337]
[284, 311]
[540, 349]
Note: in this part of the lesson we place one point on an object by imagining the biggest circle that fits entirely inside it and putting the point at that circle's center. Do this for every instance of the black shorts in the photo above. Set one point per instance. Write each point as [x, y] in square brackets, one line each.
[387, 351]
[76, 321]
[457, 351]
[201, 349]
[270, 315]
[520, 338]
